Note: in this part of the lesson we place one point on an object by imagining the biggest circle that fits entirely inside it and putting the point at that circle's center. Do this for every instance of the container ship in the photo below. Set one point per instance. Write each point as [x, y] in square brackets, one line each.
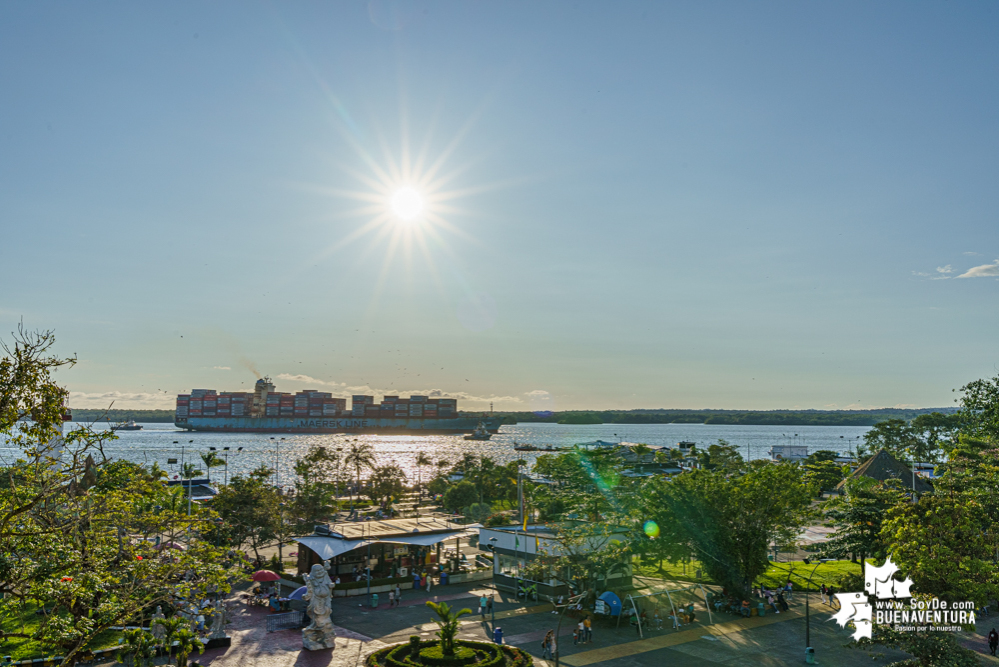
[269, 411]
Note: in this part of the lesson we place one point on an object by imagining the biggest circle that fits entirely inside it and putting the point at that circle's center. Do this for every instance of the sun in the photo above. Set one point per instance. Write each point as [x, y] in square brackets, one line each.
[407, 204]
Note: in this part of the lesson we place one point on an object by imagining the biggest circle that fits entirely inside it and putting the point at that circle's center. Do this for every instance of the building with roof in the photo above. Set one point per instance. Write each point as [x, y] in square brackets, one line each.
[882, 467]
[390, 548]
[514, 548]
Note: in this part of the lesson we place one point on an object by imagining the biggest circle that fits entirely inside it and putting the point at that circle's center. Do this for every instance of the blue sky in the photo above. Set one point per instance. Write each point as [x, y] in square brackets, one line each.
[739, 205]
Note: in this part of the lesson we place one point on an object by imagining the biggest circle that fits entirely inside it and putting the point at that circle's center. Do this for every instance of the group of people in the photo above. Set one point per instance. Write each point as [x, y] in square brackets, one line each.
[828, 596]
[395, 596]
[583, 632]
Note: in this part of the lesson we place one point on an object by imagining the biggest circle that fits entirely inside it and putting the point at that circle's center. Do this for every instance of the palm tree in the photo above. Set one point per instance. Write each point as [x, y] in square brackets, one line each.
[171, 626]
[189, 471]
[448, 624]
[360, 455]
[187, 642]
[422, 460]
[211, 460]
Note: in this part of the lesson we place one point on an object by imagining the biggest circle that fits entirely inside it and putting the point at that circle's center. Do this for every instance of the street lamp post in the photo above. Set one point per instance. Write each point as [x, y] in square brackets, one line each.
[809, 652]
[558, 628]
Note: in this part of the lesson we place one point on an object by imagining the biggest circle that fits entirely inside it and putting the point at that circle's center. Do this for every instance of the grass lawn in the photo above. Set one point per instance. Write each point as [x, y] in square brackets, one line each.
[22, 649]
[826, 573]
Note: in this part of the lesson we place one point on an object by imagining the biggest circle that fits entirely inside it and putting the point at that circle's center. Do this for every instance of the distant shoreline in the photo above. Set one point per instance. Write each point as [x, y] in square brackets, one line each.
[583, 417]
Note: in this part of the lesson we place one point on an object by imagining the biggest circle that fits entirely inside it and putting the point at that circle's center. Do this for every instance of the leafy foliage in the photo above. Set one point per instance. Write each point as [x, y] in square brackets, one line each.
[447, 621]
[730, 521]
[77, 531]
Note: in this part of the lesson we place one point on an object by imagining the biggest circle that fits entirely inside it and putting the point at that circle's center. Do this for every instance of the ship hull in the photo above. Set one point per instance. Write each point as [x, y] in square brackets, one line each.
[359, 425]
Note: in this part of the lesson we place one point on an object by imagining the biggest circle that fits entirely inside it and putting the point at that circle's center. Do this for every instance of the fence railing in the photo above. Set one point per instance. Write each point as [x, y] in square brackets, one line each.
[287, 621]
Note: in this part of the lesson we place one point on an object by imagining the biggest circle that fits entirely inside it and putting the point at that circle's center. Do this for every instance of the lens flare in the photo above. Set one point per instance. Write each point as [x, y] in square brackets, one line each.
[651, 529]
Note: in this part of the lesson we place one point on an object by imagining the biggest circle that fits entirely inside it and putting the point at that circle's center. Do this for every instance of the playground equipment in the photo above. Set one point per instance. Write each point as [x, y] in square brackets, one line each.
[675, 598]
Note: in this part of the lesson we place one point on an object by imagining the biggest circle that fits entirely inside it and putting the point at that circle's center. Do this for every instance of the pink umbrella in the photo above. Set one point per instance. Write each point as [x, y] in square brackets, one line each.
[171, 545]
[265, 575]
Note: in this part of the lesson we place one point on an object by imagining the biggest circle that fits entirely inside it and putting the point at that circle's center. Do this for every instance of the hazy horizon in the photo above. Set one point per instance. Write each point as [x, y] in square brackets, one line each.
[547, 206]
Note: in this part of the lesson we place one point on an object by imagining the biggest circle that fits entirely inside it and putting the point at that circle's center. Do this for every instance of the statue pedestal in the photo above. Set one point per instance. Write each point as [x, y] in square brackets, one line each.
[314, 639]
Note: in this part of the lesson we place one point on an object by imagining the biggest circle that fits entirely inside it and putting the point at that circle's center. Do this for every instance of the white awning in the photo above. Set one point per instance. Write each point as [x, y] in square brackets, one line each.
[329, 547]
[417, 539]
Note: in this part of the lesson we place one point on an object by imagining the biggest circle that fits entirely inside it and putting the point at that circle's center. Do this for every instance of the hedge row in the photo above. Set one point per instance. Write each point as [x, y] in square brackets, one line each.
[481, 654]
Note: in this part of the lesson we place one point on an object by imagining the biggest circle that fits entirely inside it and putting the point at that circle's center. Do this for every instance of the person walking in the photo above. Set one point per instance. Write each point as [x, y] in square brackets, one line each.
[430, 582]
[391, 599]
[831, 594]
[546, 646]
[993, 640]
[398, 594]
[823, 592]
[588, 626]
[789, 590]
[489, 604]
[483, 603]
[581, 629]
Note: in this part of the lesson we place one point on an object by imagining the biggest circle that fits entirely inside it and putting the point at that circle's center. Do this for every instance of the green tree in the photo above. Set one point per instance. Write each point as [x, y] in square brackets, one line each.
[187, 643]
[937, 431]
[979, 413]
[137, 648]
[190, 471]
[823, 475]
[447, 621]
[360, 455]
[721, 456]
[589, 483]
[250, 511]
[895, 436]
[211, 460]
[940, 542]
[729, 521]
[318, 476]
[858, 518]
[459, 496]
[76, 530]
[386, 484]
[821, 455]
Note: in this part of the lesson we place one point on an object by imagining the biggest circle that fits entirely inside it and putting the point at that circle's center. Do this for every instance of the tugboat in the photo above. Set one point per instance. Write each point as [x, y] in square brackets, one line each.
[127, 426]
[480, 433]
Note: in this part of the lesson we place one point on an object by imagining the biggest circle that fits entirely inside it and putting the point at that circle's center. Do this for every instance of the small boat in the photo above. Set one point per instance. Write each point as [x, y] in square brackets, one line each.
[480, 433]
[532, 448]
[127, 426]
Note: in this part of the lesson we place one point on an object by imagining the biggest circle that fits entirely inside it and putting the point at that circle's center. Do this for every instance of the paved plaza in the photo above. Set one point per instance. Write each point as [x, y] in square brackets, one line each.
[772, 640]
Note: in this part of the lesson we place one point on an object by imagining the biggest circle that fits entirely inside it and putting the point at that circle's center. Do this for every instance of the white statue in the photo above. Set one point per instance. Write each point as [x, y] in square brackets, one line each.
[320, 633]
[220, 620]
[159, 632]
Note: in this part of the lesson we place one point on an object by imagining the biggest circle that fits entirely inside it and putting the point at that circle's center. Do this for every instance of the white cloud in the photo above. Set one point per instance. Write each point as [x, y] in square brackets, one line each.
[983, 271]
[221, 368]
[973, 254]
[304, 378]
[945, 269]
[122, 400]
[537, 393]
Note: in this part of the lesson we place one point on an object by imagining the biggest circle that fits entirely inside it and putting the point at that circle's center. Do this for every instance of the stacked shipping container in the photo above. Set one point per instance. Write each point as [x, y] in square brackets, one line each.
[310, 403]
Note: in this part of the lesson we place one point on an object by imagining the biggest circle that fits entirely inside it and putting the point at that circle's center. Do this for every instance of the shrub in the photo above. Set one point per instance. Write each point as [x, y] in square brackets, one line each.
[418, 653]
